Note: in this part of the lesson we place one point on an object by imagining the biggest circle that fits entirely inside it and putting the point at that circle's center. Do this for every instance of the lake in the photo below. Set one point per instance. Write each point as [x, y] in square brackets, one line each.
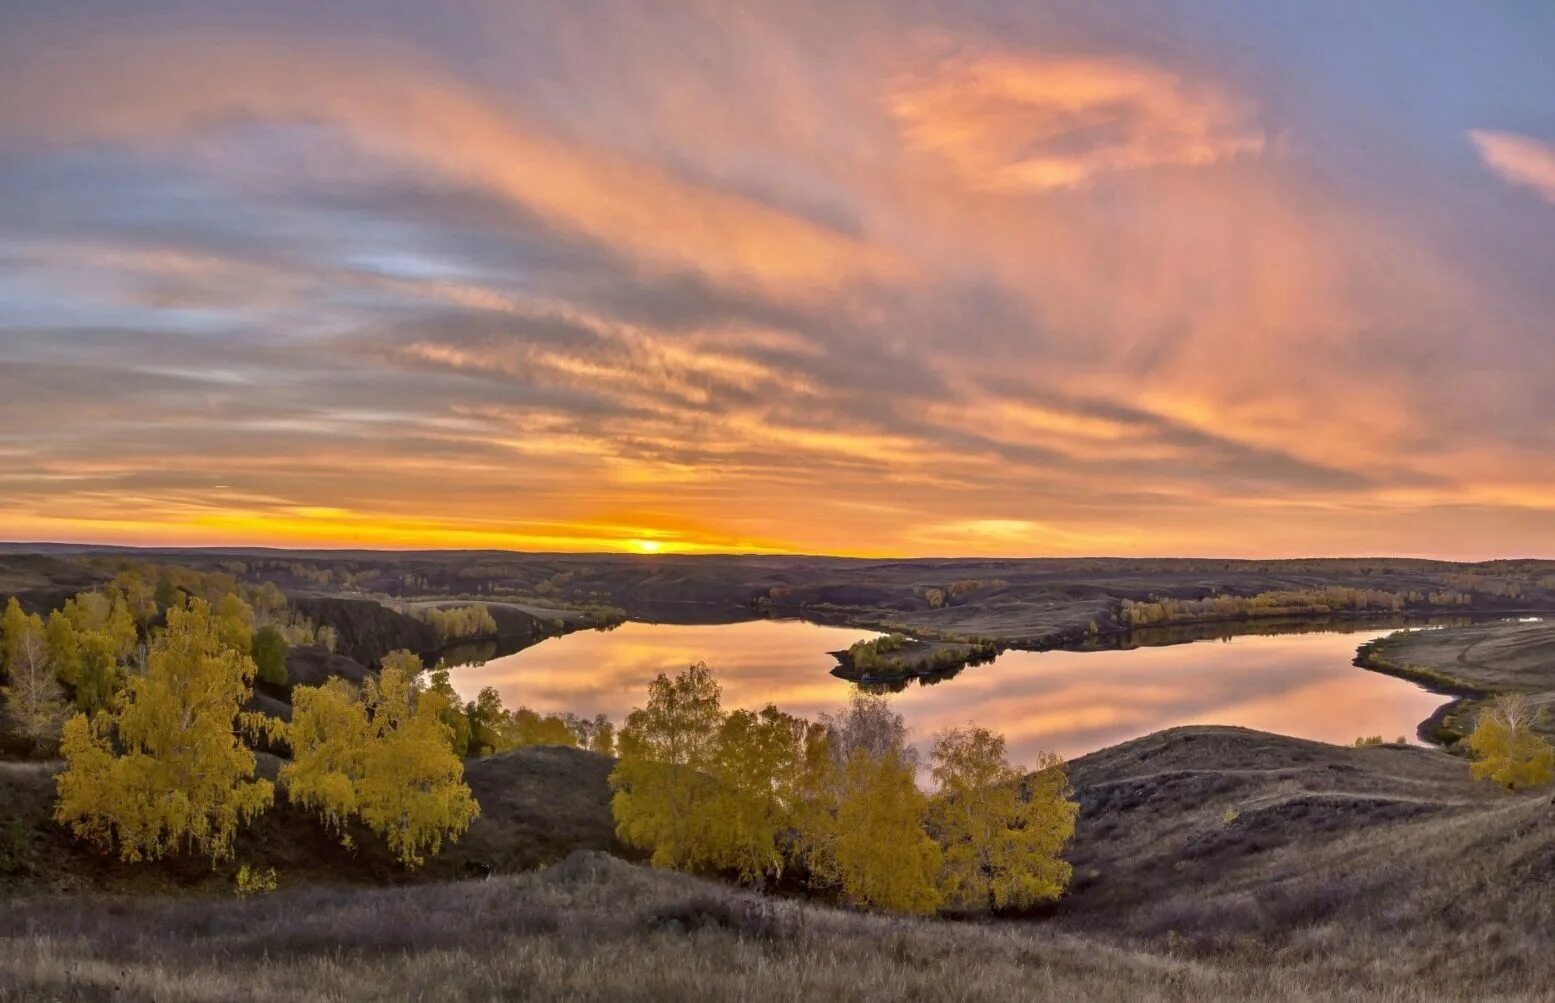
[1067, 702]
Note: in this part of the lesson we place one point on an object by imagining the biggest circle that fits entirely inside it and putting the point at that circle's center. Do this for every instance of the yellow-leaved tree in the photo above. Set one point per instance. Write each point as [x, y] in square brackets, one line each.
[13, 627]
[329, 734]
[487, 727]
[1001, 832]
[90, 639]
[863, 829]
[882, 856]
[384, 756]
[598, 735]
[756, 765]
[705, 790]
[454, 713]
[34, 701]
[522, 726]
[662, 780]
[1505, 747]
[235, 622]
[166, 771]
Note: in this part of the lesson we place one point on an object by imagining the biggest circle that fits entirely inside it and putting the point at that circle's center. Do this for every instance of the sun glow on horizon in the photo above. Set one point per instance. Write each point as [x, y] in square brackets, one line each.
[870, 280]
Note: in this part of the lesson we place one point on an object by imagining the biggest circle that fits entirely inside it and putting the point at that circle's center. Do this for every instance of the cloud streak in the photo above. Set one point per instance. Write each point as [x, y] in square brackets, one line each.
[1519, 160]
[395, 105]
[942, 282]
[1007, 123]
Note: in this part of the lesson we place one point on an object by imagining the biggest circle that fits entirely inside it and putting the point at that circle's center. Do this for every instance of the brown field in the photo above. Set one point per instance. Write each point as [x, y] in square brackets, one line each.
[1210, 863]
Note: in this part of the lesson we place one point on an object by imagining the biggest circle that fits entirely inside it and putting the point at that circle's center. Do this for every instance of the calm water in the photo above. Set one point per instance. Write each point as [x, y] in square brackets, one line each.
[1069, 702]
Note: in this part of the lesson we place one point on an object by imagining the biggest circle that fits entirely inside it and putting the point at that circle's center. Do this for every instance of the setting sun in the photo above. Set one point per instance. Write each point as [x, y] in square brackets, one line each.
[646, 546]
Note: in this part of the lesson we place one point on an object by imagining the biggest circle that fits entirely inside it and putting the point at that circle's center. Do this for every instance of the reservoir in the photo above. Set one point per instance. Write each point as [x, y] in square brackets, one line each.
[1300, 684]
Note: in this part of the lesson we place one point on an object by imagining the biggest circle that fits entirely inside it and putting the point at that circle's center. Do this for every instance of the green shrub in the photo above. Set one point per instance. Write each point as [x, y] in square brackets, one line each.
[268, 650]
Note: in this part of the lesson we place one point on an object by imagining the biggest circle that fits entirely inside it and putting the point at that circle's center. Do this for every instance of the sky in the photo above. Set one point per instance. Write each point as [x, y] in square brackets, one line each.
[868, 277]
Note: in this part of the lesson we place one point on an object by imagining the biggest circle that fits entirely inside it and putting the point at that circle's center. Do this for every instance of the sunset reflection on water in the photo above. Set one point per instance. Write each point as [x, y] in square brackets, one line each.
[1068, 702]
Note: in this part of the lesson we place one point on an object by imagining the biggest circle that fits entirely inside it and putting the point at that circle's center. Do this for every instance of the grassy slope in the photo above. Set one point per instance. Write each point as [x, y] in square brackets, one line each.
[537, 805]
[1204, 814]
[592, 928]
[1341, 872]
[596, 928]
[1208, 862]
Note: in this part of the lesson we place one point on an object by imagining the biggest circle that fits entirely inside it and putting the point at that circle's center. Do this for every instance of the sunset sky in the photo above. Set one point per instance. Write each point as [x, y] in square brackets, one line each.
[876, 277]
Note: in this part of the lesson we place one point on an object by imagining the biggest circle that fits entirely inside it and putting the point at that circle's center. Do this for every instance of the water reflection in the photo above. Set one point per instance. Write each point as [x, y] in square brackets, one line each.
[1069, 702]
[1225, 630]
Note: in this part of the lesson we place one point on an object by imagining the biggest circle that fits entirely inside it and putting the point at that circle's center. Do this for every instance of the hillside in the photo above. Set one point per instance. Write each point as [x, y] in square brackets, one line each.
[592, 928]
[1219, 844]
[1187, 828]
[538, 804]
[1343, 873]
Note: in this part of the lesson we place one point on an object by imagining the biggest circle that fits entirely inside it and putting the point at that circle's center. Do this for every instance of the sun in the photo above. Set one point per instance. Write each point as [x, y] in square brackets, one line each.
[646, 546]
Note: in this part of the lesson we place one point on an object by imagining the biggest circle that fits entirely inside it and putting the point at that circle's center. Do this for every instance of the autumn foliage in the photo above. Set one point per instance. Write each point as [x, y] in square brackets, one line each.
[382, 757]
[159, 762]
[1505, 747]
[1002, 830]
[166, 771]
[663, 782]
[34, 700]
[863, 831]
[752, 793]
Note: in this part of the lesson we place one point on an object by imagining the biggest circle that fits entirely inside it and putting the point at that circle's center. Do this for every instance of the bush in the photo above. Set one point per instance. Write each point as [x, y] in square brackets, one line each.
[253, 881]
[269, 653]
[749, 919]
[1506, 748]
[15, 848]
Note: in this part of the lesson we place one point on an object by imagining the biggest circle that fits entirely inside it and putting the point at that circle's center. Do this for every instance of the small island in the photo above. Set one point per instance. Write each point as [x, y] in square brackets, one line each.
[894, 658]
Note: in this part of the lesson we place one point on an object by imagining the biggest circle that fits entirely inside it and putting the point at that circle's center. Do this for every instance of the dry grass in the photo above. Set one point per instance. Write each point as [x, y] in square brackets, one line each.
[596, 928]
[1377, 873]
[1383, 868]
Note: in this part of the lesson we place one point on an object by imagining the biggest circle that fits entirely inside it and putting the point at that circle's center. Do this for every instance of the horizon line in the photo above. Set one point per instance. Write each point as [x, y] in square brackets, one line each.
[18, 547]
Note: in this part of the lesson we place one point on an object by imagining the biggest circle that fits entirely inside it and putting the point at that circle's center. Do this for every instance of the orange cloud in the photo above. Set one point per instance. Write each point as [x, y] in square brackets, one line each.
[783, 296]
[1017, 123]
[1519, 160]
[395, 103]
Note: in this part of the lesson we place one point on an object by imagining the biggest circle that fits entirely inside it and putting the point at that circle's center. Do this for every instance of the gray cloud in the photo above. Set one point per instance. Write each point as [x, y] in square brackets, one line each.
[466, 275]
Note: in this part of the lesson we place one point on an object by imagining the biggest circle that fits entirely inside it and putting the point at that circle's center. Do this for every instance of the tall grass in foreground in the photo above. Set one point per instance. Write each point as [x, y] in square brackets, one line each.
[595, 928]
